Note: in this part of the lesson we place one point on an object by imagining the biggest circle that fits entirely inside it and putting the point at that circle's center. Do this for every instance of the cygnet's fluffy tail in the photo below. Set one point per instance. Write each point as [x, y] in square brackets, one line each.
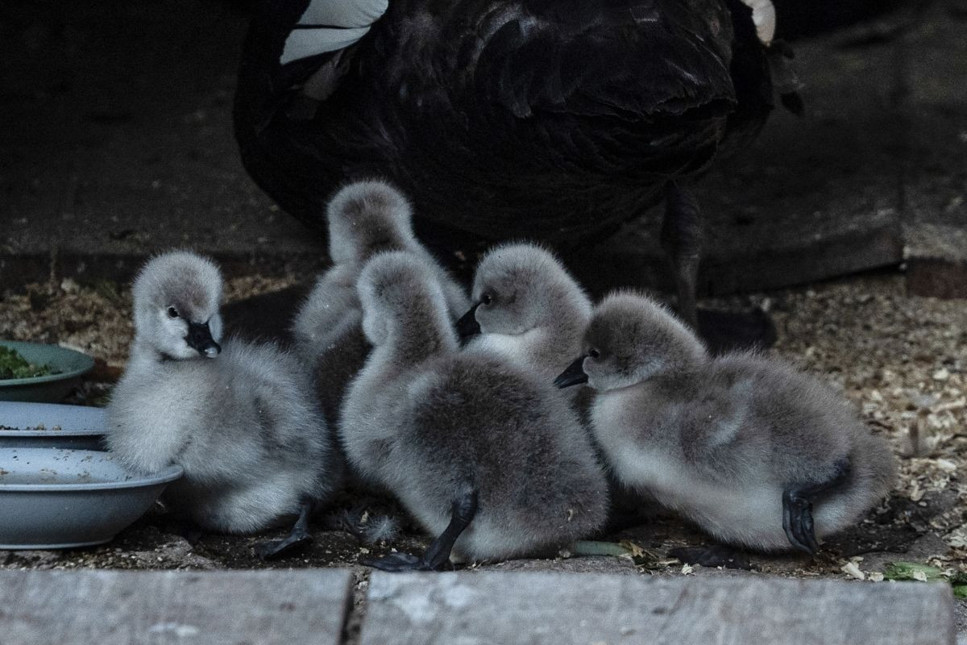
[372, 529]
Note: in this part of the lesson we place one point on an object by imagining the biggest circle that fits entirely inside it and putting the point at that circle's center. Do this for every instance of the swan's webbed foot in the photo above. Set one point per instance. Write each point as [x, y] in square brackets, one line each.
[437, 555]
[298, 537]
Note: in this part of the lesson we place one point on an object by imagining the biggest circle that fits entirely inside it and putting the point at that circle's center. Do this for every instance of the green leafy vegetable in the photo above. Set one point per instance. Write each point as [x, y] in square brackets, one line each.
[13, 365]
[911, 571]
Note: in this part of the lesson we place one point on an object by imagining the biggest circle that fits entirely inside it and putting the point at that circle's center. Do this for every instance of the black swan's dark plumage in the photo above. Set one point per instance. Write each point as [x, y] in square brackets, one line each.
[547, 119]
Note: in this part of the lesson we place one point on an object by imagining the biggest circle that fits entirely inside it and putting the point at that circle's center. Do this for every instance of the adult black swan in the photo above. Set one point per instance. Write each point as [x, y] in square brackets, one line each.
[551, 120]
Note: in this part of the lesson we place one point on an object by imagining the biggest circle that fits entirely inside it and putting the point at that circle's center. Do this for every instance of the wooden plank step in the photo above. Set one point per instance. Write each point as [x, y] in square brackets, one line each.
[557, 608]
[108, 607]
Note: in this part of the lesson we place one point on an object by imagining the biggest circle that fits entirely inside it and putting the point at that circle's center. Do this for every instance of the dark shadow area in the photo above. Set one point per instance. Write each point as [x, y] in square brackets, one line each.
[119, 143]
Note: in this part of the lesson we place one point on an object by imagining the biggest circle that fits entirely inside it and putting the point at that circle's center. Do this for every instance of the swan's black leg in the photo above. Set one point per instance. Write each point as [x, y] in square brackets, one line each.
[785, 80]
[681, 238]
[797, 509]
[298, 536]
[438, 553]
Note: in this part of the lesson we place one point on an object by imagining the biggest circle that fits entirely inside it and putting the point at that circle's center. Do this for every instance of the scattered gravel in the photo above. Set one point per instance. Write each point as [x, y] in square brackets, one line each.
[901, 359]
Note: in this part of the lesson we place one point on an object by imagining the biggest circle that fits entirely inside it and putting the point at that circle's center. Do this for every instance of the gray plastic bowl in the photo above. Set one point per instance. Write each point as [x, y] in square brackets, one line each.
[51, 425]
[71, 366]
[56, 499]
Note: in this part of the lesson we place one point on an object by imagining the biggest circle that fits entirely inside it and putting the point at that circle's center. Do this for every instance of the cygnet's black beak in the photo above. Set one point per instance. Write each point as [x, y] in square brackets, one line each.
[200, 338]
[468, 326]
[573, 375]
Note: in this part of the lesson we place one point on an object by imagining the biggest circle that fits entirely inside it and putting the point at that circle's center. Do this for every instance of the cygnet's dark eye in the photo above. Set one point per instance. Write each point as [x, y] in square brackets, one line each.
[593, 353]
[172, 312]
[487, 298]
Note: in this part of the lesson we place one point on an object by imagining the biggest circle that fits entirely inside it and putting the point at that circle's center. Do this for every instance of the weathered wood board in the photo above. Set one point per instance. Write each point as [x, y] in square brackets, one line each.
[155, 607]
[539, 608]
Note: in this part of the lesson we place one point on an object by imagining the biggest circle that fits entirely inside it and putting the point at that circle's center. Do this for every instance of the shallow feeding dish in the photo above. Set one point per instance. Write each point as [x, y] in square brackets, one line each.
[50, 425]
[54, 499]
[68, 366]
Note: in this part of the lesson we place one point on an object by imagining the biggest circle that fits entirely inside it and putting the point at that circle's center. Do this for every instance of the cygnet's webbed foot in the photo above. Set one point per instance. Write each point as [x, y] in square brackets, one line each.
[396, 562]
[797, 521]
[274, 549]
[298, 537]
[713, 555]
[797, 509]
[437, 555]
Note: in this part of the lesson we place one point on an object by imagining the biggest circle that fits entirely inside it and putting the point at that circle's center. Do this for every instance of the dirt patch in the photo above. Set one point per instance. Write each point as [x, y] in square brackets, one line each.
[901, 359]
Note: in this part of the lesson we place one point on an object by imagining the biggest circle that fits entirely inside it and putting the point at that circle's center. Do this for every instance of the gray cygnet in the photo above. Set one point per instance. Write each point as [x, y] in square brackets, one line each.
[483, 453]
[240, 418]
[753, 451]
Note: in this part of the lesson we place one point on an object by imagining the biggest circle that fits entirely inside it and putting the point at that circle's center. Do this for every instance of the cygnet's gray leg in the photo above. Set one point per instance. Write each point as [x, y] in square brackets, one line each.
[681, 237]
[298, 536]
[437, 554]
[797, 509]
